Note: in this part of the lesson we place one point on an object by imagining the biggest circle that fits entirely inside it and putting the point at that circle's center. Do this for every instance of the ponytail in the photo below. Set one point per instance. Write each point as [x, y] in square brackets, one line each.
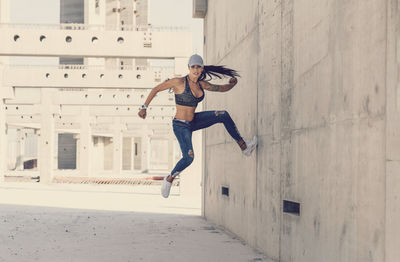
[217, 71]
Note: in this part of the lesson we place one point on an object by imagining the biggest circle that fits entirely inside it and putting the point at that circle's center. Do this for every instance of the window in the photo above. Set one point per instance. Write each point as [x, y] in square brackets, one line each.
[97, 7]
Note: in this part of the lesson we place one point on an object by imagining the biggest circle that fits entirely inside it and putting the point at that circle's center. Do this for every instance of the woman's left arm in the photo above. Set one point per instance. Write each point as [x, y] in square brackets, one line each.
[220, 88]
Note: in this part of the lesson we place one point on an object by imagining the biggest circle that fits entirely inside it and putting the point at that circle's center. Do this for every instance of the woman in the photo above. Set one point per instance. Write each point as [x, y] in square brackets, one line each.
[189, 91]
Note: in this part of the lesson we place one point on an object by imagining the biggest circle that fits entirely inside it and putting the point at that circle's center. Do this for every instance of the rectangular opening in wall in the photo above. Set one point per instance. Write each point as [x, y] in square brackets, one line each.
[291, 207]
[97, 7]
[225, 191]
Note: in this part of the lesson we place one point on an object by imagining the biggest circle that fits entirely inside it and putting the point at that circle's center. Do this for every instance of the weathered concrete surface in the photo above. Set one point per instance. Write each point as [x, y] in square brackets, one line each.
[3, 127]
[102, 223]
[319, 87]
[392, 228]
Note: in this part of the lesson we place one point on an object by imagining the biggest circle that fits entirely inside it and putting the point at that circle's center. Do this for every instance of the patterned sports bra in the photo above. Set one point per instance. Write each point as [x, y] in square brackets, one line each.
[187, 98]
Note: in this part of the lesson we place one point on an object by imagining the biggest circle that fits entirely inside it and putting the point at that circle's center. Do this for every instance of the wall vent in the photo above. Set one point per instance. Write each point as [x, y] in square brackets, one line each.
[291, 207]
[225, 191]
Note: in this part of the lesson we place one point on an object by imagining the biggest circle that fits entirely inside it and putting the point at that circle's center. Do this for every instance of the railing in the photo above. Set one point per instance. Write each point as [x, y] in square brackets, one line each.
[74, 26]
[93, 67]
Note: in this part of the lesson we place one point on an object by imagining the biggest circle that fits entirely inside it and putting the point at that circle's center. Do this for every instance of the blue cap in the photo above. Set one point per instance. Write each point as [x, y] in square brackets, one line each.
[196, 60]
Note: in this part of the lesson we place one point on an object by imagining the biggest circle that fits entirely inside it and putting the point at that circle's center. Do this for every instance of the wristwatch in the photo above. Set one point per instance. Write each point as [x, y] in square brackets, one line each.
[143, 106]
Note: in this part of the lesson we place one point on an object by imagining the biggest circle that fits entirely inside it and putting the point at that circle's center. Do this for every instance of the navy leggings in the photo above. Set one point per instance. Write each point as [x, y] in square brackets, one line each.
[183, 132]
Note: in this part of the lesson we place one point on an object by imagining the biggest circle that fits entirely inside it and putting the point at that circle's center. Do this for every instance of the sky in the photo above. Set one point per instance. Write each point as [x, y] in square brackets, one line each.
[161, 13]
[177, 13]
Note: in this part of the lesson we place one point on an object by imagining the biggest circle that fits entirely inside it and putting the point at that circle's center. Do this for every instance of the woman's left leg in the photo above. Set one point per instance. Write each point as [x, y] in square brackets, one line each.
[208, 118]
[183, 134]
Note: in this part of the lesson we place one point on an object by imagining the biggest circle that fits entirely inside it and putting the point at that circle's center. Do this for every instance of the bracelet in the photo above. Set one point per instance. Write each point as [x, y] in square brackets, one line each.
[143, 107]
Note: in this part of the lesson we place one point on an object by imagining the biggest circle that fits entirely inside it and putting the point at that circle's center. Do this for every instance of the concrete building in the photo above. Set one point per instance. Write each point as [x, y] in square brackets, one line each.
[83, 114]
[72, 12]
[319, 86]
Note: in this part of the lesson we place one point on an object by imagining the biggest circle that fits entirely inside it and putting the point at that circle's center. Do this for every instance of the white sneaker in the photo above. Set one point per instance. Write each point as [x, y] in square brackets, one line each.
[165, 187]
[251, 145]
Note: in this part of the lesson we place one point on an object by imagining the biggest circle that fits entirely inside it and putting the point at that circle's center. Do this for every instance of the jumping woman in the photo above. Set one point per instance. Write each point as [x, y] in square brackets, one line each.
[189, 91]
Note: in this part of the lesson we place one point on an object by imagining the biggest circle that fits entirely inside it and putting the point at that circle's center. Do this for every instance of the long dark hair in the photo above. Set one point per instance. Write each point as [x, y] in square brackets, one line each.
[217, 71]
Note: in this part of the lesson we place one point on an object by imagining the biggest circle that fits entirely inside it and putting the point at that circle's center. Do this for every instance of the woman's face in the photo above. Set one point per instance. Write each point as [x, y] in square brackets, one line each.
[196, 70]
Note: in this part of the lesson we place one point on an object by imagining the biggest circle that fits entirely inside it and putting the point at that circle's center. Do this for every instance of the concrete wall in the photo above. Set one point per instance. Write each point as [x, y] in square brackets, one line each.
[319, 87]
[159, 154]
[392, 229]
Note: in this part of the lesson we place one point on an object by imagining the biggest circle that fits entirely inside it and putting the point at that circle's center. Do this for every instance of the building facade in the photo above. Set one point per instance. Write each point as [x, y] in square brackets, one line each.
[81, 114]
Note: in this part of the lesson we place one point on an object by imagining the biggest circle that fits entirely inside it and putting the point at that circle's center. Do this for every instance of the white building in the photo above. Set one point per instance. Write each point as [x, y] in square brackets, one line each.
[81, 114]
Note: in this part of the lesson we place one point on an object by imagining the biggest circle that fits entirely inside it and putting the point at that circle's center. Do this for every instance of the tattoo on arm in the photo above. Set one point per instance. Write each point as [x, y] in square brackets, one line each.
[214, 87]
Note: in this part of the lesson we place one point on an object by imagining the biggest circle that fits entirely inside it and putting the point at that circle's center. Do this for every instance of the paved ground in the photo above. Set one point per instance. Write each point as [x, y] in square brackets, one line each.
[105, 223]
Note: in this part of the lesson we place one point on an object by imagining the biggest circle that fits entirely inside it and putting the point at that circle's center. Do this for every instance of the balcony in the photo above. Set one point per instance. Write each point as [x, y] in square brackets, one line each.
[80, 76]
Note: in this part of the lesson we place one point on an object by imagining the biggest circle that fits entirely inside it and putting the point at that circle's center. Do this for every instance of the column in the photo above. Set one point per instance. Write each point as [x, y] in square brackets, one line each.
[86, 143]
[145, 152]
[3, 127]
[46, 139]
[127, 153]
[3, 139]
[98, 154]
[117, 146]
[20, 149]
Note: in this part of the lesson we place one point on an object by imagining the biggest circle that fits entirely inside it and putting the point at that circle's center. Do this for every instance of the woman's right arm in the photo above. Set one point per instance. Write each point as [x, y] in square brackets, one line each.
[161, 87]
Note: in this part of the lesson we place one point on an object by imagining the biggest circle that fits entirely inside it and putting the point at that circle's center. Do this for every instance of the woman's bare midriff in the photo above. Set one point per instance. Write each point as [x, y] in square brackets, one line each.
[185, 112]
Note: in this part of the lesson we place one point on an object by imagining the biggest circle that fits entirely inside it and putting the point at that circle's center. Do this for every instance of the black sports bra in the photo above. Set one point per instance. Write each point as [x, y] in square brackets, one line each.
[187, 98]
